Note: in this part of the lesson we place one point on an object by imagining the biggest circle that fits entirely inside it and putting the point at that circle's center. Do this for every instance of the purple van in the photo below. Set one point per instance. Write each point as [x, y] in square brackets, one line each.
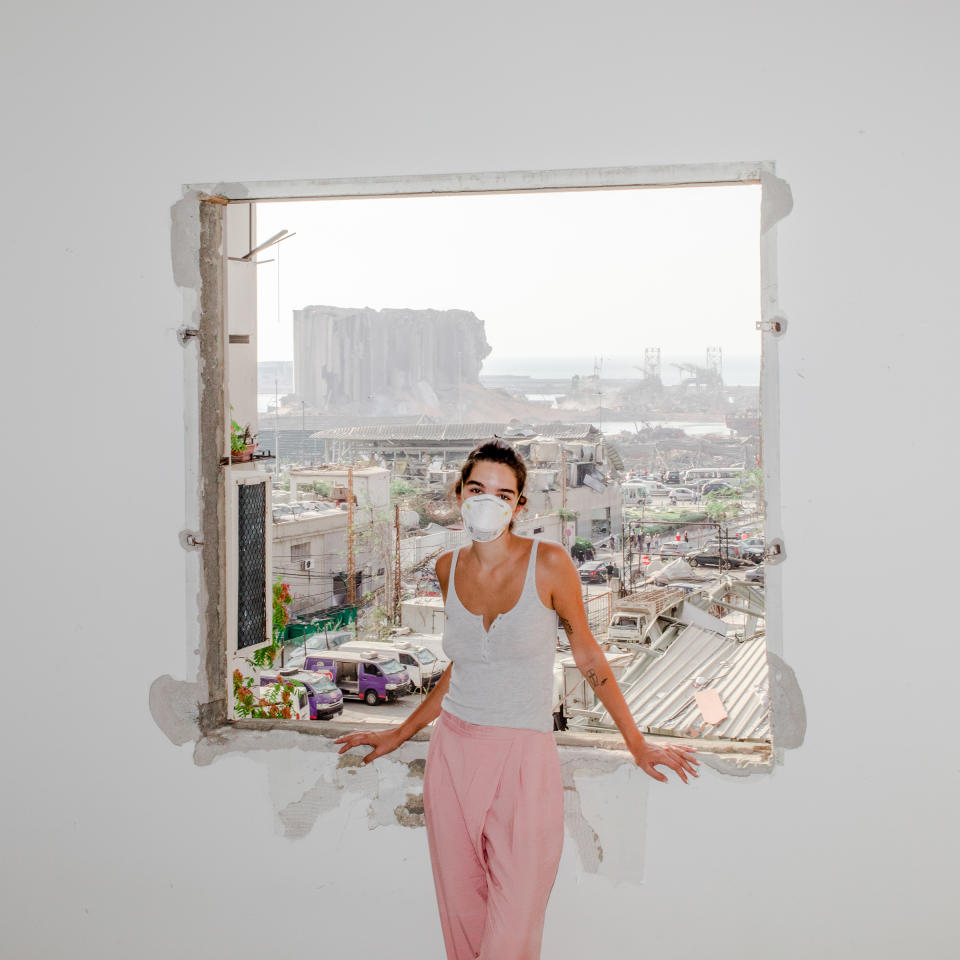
[363, 676]
[323, 695]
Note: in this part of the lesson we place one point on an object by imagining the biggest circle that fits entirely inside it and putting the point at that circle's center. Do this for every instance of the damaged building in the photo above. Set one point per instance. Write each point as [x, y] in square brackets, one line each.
[361, 360]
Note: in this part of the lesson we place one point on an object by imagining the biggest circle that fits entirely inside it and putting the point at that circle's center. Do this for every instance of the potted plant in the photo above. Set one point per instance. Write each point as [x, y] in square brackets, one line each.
[242, 443]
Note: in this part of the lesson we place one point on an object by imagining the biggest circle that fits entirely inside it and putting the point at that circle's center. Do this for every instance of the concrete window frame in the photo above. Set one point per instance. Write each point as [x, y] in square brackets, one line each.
[204, 205]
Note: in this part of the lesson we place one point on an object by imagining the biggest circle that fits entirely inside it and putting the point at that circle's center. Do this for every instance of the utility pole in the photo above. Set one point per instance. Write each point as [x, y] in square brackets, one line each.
[624, 559]
[563, 495]
[643, 568]
[351, 556]
[396, 565]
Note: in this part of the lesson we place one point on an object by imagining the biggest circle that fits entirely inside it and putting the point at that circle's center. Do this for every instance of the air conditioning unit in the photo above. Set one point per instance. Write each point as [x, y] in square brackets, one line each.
[306, 564]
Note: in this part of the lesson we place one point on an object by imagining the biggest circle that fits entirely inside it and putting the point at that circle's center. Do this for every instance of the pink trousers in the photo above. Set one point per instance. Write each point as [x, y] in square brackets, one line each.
[493, 801]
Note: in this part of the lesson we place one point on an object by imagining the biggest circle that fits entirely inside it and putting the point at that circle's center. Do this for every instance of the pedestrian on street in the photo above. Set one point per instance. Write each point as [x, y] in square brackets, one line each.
[493, 795]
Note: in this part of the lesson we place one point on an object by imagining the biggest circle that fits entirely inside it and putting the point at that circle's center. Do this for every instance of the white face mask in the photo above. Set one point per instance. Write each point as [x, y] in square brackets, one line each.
[485, 516]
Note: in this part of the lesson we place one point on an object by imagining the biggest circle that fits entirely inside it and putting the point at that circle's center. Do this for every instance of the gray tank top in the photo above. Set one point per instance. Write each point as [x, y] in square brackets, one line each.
[502, 677]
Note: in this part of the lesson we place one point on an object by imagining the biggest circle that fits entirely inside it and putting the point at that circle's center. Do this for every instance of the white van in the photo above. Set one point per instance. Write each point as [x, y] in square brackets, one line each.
[297, 708]
[421, 663]
[634, 491]
[657, 489]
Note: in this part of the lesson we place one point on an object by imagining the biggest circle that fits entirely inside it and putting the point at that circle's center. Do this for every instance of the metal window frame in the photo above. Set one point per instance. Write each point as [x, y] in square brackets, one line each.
[776, 202]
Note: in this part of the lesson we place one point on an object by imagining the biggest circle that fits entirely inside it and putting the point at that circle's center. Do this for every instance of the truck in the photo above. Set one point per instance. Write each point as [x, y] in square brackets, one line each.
[634, 617]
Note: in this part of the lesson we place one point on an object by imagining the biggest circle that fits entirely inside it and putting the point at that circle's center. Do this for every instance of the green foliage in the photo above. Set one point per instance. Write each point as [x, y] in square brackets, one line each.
[677, 516]
[753, 480]
[375, 620]
[581, 548]
[722, 504]
[275, 704]
[319, 487]
[401, 488]
[265, 656]
[240, 437]
[281, 600]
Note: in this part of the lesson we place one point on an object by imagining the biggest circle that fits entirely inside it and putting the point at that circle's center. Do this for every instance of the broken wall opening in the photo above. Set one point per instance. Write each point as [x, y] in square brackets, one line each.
[745, 173]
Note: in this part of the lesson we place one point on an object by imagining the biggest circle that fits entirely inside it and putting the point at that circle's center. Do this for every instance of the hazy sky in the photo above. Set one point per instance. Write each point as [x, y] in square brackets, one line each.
[550, 274]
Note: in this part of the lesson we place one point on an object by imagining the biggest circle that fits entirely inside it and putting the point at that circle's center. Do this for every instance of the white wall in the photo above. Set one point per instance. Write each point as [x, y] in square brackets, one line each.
[116, 843]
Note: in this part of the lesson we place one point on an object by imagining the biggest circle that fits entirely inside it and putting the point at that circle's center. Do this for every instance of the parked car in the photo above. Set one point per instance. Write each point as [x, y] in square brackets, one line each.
[594, 571]
[729, 546]
[672, 476]
[682, 493]
[363, 676]
[712, 558]
[713, 485]
[674, 548]
[323, 696]
[753, 549]
[755, 575]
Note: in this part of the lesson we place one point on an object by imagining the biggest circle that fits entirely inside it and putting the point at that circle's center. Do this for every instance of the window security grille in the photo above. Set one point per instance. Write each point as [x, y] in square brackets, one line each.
[299, 551]
[251, 586]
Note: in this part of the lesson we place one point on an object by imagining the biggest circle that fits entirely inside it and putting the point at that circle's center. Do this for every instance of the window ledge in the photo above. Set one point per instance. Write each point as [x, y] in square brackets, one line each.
[753, 752]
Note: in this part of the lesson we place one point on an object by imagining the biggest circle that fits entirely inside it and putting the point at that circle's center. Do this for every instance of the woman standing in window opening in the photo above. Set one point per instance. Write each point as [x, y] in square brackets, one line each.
[493, 797]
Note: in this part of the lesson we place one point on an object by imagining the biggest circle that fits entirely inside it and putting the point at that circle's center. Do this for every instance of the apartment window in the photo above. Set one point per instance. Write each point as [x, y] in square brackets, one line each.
[299, 551]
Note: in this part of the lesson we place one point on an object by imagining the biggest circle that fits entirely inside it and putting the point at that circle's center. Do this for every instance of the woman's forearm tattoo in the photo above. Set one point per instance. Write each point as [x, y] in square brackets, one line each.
[567, 625]
[595, 680]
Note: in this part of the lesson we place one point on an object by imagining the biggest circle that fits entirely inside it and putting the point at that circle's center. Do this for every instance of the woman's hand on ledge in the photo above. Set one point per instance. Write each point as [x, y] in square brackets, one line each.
[382, 741]
[648, 756]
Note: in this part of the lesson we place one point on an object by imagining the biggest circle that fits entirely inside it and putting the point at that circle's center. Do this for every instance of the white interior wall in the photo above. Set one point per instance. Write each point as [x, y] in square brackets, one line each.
[116, 843]
[241, 310]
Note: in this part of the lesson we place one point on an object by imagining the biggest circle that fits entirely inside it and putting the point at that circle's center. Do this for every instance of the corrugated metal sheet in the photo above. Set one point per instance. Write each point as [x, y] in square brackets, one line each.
[662, 698]
[613, 455]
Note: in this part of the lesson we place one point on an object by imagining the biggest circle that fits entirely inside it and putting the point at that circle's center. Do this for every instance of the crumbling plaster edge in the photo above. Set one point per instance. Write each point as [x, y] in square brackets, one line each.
[608, 751]
[204, 721]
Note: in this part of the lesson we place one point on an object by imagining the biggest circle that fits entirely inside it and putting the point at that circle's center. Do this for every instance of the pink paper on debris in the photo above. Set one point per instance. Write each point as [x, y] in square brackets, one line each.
[711, 706]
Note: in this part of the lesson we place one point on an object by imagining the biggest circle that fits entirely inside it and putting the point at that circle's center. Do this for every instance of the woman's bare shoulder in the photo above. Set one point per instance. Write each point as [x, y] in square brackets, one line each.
[553, 557]
[443, 571]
